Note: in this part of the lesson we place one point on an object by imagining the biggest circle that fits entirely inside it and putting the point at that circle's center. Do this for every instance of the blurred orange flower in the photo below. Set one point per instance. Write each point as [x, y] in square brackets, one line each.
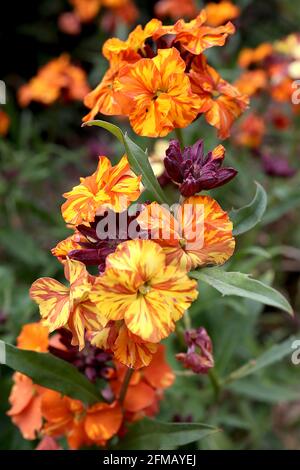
[219, 13]
[68, 307]
[141, 288]
[252, 81]
[200, 232]
[221, 102]
[57, 79]
[81, 426]
[255, 56]
[250, 131]
[87, 10]
[159, 94]
[109, 187]
[4, 123]
[25, 412]
[25, 397]
[175, 9]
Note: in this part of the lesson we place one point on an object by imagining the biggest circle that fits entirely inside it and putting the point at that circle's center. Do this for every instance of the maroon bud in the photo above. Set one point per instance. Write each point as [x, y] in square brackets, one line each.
[194, 171]
[199, 355]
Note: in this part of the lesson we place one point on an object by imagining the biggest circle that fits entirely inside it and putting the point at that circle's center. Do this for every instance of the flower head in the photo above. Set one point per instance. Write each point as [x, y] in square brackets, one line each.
[198, 234]
[68, 307]
[193, 170]
[175, 9]
[142, 289]
[195, 36]
[109, 187]
[250, 131]
[199, 356]
[58, 78]
[221, 102]
[4, 123]
[219, 13]
[81, 426]
[159, 94]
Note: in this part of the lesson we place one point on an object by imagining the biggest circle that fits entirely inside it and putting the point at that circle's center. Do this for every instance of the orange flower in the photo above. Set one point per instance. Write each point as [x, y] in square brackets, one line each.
[105, 98]
[195, 36]
[175, 9]
[25, 396]
[159, 94]
[65, 416]
[141, 288]
[4, 123]
[109, 187]
[71, 308]
[126, 347]
[86, 9]
[250, 131]
[249, 56]
[251, 82]
[103, 421]
[64, 247]
[221, 102]
[25, 412]
[58, 78]
[145, 387]
[34, 337]
[199, 234]
[219, 13]
[134, 46]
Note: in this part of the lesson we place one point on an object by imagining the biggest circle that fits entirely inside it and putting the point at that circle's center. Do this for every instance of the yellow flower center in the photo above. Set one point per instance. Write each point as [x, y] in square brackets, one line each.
[144, 289]
[182, 242]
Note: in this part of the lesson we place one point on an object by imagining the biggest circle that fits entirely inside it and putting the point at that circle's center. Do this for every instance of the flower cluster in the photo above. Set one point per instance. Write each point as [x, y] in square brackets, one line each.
[59, 78]
[85, 11]
[269, 74]
[217, 13]
[143, 259]
[46, 414]
[159, 77]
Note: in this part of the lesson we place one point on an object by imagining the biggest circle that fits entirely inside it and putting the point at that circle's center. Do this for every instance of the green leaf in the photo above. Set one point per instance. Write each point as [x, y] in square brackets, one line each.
[137, 158]
[241, 285]
[150, 434]
[247, 217]
[264, 392]
[49, 371]
[274, 354]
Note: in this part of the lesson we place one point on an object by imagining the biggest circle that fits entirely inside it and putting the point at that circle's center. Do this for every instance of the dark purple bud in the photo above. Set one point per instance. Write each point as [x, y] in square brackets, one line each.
[194, 171]
[277, 166]
[199, 355]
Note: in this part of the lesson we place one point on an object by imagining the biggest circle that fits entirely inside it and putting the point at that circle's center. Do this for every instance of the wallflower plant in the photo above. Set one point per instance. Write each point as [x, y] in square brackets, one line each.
[129, 287]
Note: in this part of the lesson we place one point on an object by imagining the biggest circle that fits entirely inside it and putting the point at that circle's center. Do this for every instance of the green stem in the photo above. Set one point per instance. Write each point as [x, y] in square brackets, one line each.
[187, 320]
[125, 385]
[179, 136]
[214, 380]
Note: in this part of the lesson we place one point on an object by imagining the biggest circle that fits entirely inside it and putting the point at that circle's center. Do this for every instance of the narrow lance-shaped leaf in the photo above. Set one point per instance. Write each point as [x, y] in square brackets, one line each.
[274, 354]
[137, 158]
[245, 218]
[150, 434]
[50, 372]
[241, 285]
